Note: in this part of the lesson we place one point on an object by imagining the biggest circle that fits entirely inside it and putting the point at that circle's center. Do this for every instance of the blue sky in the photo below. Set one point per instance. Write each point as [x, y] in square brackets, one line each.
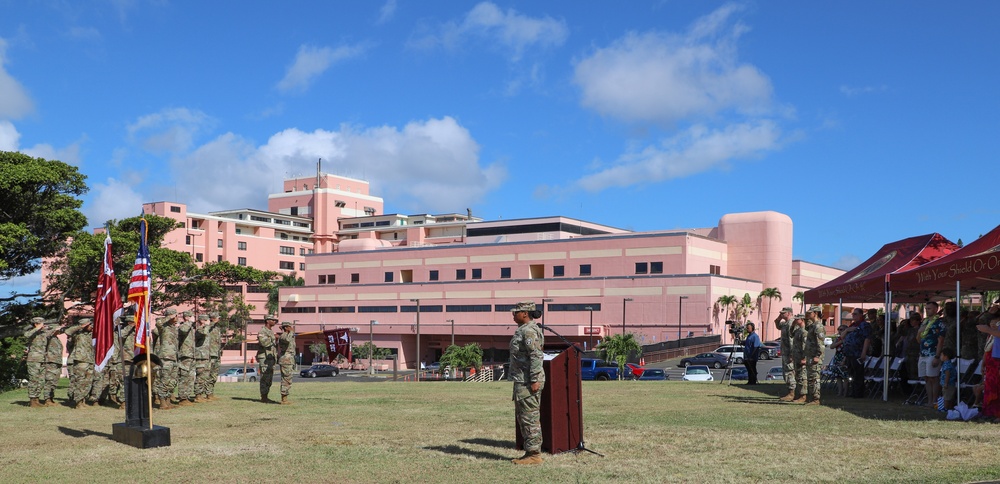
[866, 122]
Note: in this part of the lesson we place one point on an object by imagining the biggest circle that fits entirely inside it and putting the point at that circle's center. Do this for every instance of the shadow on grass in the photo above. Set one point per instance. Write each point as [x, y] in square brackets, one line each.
[21, 403]
[500, 444]
[456, 450]
[255, 400]
[77, 434]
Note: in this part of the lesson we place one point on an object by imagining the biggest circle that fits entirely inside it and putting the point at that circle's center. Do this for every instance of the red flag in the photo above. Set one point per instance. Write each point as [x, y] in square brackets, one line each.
[105, 308]
[138, 291]
[338, 342]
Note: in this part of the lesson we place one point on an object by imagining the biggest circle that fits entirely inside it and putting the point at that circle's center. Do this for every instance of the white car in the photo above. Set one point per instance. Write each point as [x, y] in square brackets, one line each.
[735, 350]
[238, 373]
[697, 373]
[827, 342]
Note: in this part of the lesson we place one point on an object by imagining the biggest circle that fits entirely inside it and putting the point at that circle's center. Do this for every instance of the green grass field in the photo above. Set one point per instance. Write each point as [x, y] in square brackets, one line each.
[463, 432]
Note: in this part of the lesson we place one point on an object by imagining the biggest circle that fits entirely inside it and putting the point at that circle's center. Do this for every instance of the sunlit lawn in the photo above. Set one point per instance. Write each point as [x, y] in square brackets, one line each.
[463, 432]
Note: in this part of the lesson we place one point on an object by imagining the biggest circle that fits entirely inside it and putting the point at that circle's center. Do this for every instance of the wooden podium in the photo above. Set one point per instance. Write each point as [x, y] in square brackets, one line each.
[562, 404]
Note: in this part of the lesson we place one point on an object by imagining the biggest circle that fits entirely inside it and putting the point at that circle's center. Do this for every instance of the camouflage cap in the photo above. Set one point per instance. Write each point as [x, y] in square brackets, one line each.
[203, 317]
[160, 320]
[270, 317]
[815, 309]
[799, 316]
[188, 314]
[286, 324]
[85, 321]
[523, 306]
[787, 309]
[170, 312]
[37, 320]
[213, 314]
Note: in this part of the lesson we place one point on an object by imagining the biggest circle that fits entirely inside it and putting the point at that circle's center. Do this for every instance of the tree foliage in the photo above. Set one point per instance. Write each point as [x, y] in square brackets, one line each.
[618, 347]
[770, 293]
[39, 210]
[462, 357]
[286, 280]
[361, 351]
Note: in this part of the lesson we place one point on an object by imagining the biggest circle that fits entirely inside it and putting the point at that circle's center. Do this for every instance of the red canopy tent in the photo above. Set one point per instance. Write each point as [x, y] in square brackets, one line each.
[867, 281]
[973, 268]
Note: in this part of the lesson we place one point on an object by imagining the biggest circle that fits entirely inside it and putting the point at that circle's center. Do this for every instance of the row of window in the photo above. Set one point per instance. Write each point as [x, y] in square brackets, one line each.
[436, 308]
[283, 265]
[406, 276]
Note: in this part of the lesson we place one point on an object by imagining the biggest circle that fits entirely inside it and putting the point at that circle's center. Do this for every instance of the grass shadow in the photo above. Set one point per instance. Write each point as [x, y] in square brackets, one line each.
[457, 450]
[77, 434]
[20, 402]
[255, 400]
[500, 444]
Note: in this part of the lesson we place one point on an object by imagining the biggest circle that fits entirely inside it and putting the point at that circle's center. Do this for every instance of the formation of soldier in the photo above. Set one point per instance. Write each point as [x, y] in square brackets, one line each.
[189, 352]
[275, 349]
[802, 354]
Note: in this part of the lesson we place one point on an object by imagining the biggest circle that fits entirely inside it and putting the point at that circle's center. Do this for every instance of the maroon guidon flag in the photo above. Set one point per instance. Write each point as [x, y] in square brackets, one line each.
[338, 342]
[106, 309]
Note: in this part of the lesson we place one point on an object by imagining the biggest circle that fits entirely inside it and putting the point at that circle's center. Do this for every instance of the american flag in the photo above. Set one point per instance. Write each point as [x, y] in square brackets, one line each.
[138, 290]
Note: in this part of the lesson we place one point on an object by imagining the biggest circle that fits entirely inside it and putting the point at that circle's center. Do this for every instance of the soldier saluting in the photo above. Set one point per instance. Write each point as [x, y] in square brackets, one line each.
[267, 354]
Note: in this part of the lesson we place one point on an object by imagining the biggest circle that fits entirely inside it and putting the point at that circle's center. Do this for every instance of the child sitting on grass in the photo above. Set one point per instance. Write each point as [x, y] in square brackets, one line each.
[949, 377]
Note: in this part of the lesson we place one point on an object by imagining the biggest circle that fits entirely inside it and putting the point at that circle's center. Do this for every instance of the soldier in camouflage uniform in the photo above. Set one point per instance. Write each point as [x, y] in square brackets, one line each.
[35, 340]
[201, 364]
[267, 355]
[81, 361]
[286, 359]
[798, 357]
[529, 379]
[815, 332]
[166, 350]
[53, 362]
[214, 353]
[124, 344]
[185, 359]
[784, 324]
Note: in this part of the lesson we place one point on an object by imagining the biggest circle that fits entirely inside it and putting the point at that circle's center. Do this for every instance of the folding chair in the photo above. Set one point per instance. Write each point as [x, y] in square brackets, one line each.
[966, 370]
[879, 379]
[919, 394]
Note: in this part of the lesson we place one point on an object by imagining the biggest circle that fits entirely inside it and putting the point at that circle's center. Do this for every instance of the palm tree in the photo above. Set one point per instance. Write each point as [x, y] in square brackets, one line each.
[272, 296]
[726, 303]
[801, 298]
[770, 294]
[617, 347]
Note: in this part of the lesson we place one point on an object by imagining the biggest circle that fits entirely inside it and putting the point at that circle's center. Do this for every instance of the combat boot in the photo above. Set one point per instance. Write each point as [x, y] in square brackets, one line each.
[211, 398]
[801, 399]
[50, 402]
[814, 401]
[789, 397]
[184, 402]
[156, 400]
[165, 404]
[529, 458]
[285, 400]
[34, 403]
[93, 403]
[80, 404]
[264, 399]
[200, 399]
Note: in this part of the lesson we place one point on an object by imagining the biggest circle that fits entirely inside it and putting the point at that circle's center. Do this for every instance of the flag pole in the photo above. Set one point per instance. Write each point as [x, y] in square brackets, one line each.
[149, 367]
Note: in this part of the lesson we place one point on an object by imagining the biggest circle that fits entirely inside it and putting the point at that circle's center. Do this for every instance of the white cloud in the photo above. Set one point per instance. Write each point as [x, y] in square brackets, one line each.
[510, 31]
[171, 130]
[430, 165]
[387, 11]
[14, 99]
[9, 137]
[847, 262]
[112, 199]
[664, 78]
[26, 284]
[310, 62]
[695, 150]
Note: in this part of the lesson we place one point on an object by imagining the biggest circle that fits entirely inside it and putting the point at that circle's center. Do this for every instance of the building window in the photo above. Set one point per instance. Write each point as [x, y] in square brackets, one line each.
[286, 265]
[584, 269]
[241, 261]
[336, 309]
[175, 209]
[467, 308]
[716, 270]
[286, 250]
[656, 268]
[302, 266]
[239, 231]
[220, 243]
[293, 211]
[241, 245]
[218, 258]
[302, 251]
[355, 278]
[477, 273]
[377, 309]
[284, 236]
[388, 277]
[505, 273]
[573, 307]
[187, 239]
[322, 279]
[199, 257]
[460, 274]
[641, 268]
[558, 271]
[433, 275]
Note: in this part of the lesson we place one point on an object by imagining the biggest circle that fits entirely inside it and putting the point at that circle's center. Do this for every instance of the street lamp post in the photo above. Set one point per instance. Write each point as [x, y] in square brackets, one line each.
[417, 367]
[542, 319]
[624, 302]
[371, 345]
[452, 321]
[591, 332]
[680, 314]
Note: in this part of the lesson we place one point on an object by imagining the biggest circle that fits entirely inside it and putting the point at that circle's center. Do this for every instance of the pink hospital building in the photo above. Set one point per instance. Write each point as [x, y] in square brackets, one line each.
[454, 277]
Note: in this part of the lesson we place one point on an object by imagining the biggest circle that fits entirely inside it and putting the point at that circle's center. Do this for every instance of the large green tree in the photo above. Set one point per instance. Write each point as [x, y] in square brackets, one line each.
[286, 280]
[770, 293]
[39, 210]
[618, 347]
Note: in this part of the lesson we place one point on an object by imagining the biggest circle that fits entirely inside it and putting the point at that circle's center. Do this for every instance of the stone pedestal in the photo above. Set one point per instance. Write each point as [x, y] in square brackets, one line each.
[141, 437]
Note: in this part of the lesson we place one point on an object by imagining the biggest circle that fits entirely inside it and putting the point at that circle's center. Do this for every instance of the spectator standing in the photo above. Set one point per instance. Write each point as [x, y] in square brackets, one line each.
[991, 368]
[949, 377]
[856, 344]
[751, 348]
[931, 343]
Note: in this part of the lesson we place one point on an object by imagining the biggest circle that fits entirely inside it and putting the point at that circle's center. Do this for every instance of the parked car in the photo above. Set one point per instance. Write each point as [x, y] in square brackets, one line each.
[632, 371]
[827, 342]
[734, 350]
[238, 373]
[739, 373]
[715, 360]
[697, 373]
[653, 374]
[594, 369]
[773, 349]
[319, 370]
[775, 373]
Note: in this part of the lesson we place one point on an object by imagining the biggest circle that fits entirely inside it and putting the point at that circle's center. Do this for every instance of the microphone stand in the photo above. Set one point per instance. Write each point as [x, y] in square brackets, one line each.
[582, 446]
